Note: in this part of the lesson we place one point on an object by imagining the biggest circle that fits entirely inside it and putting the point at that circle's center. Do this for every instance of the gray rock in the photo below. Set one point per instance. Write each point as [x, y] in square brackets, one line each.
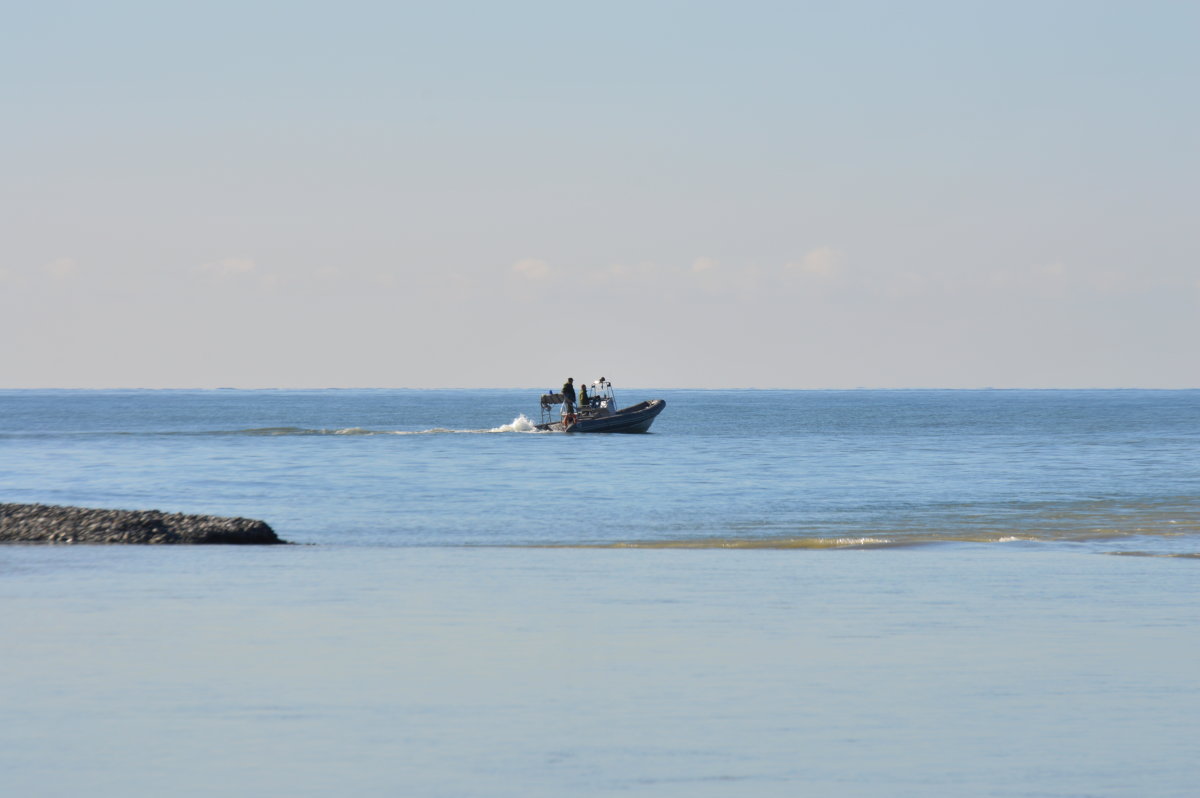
[41, 523]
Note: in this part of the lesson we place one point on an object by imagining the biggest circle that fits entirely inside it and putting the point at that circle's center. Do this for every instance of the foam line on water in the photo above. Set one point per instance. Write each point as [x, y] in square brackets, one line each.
[518, 424]
[872, 540]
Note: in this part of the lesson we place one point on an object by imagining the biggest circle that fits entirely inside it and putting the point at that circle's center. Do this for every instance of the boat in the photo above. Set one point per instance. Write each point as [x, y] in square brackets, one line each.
[599, 413]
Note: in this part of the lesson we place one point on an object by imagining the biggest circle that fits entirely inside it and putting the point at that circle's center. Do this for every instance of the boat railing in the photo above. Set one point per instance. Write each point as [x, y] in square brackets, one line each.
[548, 401]
[602, 400]
[602, 391]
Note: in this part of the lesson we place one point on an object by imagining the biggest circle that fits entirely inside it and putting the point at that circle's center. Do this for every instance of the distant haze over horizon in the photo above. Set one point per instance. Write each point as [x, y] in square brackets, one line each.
[673, 194]
[624, 390]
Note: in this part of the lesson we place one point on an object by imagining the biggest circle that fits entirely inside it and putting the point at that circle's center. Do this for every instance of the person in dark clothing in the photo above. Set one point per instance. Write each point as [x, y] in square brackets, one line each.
[568, 392]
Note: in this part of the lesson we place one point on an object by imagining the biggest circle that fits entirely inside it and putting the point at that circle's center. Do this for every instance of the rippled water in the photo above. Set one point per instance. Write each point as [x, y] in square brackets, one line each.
[723, 468]
[855, 594]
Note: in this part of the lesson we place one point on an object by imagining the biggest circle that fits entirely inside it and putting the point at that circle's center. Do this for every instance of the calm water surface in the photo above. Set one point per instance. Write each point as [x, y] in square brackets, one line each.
[774, 593]
[813, 468]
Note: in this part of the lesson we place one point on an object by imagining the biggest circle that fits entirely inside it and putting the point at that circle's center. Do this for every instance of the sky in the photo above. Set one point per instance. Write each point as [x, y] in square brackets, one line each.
[671, 194]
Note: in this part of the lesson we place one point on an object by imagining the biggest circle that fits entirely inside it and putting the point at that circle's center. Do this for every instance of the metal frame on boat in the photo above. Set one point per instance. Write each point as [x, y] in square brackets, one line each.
[599, 413]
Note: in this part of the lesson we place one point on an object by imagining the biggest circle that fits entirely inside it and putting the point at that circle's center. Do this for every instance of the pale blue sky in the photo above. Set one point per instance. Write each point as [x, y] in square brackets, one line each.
[677, 194]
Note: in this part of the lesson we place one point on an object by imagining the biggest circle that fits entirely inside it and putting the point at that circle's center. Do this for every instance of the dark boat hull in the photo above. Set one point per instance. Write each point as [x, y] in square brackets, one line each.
[635, 418]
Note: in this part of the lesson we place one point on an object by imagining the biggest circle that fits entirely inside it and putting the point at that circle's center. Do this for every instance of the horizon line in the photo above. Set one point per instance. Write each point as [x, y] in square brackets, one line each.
[630, 388]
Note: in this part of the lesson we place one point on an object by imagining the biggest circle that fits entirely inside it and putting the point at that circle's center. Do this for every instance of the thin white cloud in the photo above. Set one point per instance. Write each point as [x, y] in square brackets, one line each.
[61, 269]
[716, 280]
[228, 267]
[642, 274]
[269, 282]
[1048, 279]
[243, 272]
[703, 275]
[1111, 282]
[532, 269]
[1055, 271]
[823, 263]
[907, 283]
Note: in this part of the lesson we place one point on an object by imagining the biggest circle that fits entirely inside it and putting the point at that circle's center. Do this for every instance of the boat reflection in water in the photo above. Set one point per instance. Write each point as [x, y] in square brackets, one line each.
[599, 413]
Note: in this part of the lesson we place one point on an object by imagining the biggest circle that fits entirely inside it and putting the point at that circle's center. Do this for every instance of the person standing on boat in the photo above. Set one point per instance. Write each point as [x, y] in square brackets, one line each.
[583, 397]
[568, 392]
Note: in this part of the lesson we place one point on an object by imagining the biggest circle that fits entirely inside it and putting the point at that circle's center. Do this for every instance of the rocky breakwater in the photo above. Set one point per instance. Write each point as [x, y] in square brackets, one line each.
[40, 523]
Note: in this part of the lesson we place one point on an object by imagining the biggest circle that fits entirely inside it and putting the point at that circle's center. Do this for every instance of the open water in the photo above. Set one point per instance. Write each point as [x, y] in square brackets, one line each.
[862, 593]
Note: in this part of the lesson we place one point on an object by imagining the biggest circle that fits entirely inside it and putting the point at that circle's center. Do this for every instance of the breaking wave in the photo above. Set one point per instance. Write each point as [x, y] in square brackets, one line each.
[518, 424]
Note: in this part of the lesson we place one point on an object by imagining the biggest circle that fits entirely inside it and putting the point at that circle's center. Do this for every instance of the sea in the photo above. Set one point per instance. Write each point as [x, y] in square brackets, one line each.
[772, 593]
